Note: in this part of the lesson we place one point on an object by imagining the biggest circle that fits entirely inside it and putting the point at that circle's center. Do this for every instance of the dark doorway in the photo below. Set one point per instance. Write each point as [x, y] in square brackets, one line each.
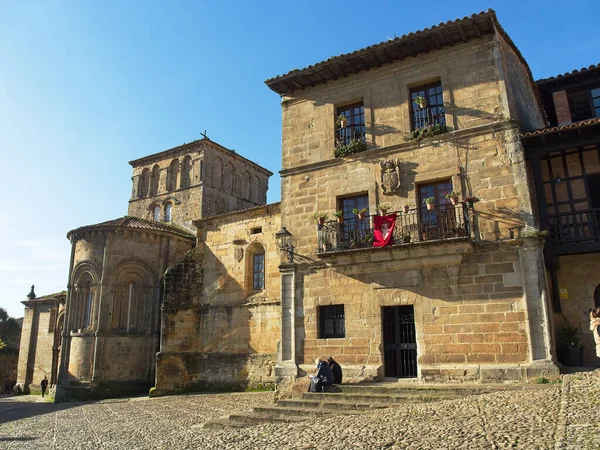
[399, 342]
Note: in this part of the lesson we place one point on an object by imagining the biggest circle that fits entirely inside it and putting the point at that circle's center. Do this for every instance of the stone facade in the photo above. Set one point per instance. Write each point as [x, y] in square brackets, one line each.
[220, 324]
[199, 179]
[40, 340]
[478, 302]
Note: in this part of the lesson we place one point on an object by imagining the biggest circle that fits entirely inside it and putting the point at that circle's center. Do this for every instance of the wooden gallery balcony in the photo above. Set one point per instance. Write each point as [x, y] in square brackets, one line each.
[440, 224]
[575, 231]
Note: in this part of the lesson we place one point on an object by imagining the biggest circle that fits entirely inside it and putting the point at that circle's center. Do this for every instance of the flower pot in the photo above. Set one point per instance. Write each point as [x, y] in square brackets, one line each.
[340, 219]
[407, 239]
[571, 356]
[454, 201]
[469, 204]
[383, 212]
[406, 208]
[430, 206]
[321, 220]
[360, 216]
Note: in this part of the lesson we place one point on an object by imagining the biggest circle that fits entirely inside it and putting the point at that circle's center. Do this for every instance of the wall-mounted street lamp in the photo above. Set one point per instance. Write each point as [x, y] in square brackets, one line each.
[284, 241]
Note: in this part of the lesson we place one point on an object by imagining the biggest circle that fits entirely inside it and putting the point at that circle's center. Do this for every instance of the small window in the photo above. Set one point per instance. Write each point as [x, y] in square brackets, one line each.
[584, 104]
[432, 111]
[354, 126]
[156, 213]
[258, 271]
[168, 209]
[256, 230]
[332, 321]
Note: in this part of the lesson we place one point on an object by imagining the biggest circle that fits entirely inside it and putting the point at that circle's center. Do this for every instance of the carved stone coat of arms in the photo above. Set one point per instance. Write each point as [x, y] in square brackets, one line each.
[390, 176]
[239, 253]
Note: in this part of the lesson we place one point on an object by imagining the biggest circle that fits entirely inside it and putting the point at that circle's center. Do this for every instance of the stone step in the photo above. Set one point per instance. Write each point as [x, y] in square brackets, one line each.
[396, 389]
[285, 411]
[386, 398]
[326, 404]
[251, 418]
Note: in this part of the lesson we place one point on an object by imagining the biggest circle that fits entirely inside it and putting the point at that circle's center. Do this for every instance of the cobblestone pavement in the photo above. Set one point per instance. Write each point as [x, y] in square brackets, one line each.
[566, 416]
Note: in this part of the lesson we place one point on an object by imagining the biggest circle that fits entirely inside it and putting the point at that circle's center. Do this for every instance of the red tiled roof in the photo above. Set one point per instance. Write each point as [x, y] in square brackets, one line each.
[581, 71]
[136, 223]
[581, 124]
[438, 36]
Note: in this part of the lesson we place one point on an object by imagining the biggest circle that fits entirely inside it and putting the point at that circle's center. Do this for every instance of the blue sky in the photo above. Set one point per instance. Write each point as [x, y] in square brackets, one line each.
[87, 86]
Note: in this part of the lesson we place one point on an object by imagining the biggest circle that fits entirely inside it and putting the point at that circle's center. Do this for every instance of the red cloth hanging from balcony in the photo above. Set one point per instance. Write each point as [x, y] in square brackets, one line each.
[383, 230]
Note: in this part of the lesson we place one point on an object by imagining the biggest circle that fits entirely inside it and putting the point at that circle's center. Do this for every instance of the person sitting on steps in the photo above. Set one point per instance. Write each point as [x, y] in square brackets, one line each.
[336, 369]
[323, 377]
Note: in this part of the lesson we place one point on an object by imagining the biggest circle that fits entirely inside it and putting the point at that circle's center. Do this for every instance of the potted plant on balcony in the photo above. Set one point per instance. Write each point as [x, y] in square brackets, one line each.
[360, 213]
[339, 215]
[320, 217]
[405, 238]
[326, 245]
[430, 202]
[453, 196]
[384, 208]
[470, 201]
[406, 208]
[568, 350]
[420, 101]
[342, 121]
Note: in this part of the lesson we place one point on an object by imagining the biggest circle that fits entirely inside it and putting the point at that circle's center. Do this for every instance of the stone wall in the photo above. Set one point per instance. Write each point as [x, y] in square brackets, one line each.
[217, 330]
[579, 275]
[480, 313]
[199, 179]
[119, 271]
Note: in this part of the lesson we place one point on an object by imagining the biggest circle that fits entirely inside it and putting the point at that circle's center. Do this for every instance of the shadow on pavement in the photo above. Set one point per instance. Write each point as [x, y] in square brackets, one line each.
[15, 409]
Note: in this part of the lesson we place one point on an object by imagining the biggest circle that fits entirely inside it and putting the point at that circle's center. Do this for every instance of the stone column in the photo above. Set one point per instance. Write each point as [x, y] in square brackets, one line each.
[99, 316]
[536, 301]
[286, 356]
[63, 369]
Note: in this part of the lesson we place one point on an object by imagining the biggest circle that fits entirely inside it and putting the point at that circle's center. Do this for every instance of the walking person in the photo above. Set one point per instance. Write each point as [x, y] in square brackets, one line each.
[595, 327]
[44, 384]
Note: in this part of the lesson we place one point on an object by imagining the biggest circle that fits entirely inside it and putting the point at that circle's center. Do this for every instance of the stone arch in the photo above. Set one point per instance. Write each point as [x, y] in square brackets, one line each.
[246, 181]
[154, 180]
[217, 178]
[172, 174]
[132, 298]
[143, 183]
[186, 172]
[228, 178]
[256, 190]
[84, 297]
[255, 268]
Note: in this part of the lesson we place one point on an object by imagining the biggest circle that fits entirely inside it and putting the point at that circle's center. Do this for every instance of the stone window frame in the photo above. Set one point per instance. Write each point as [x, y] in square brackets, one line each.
[424, 89]
[254, 249]
[135, 280]
[168, 212]
[350, 131]
[336, 314]
[85, 289]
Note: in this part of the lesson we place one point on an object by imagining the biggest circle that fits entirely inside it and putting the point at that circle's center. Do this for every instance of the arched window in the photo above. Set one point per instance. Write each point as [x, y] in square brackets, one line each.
[246, 185]
[255, 268]
[154, 180]
[168, 210]
[217, 178]
[143, 183]
[228, 178]
[172, 175]
[132, 303]
[156, 213]
[83, 305]
[186, 172]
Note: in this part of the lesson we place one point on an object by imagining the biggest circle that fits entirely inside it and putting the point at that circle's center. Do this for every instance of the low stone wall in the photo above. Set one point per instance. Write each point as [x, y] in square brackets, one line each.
[178, 372]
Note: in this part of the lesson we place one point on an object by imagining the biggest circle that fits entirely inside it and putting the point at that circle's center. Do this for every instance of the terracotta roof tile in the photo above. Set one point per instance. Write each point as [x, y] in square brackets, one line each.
[581, 124]
[568, 74]
[136, 223]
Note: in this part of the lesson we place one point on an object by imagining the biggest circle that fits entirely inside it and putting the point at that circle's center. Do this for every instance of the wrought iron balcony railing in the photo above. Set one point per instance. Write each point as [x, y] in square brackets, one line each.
[575, 226]
[444, 222]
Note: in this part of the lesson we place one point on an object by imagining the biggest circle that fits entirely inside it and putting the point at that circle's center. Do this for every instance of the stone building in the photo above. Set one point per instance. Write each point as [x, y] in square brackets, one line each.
[409, 122]
[110, 319]
[434, 152]
[41, 339]
[564, 164]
